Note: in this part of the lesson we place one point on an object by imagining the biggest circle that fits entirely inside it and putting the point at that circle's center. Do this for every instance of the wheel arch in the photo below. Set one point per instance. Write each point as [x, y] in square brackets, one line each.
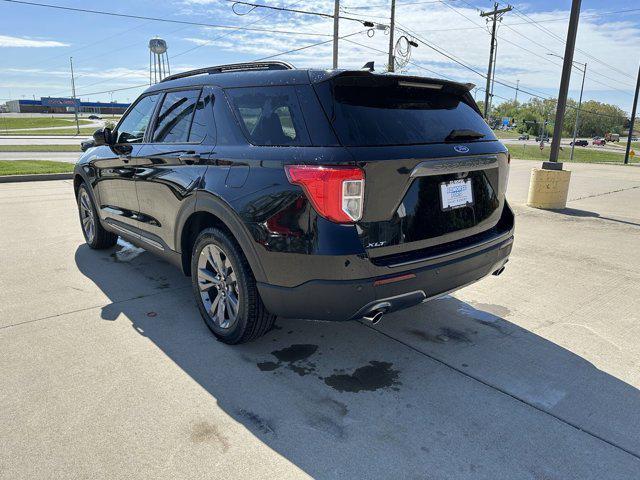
[211, 211]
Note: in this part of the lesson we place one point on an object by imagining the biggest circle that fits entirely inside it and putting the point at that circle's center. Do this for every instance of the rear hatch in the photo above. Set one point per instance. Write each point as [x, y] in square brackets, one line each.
[434, 171]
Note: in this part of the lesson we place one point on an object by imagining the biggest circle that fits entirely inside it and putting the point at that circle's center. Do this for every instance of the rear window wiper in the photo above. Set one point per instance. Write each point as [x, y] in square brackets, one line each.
[463, 134]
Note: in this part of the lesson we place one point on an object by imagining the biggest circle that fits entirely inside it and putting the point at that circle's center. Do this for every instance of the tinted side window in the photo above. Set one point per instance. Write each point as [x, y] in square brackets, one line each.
[135, 123]
[175, 116]
[270, 115]
[200, 127]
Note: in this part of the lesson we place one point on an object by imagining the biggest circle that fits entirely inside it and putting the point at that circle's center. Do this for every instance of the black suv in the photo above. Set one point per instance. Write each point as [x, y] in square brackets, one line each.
[316, 194]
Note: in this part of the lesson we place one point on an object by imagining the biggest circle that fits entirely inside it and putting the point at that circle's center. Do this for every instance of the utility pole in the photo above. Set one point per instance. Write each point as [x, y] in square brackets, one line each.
[495, 14]
[336, 23]
[553, 163]
[392, 25]
[517, 88]
[575, 127]
[633, 119]
[73, 94]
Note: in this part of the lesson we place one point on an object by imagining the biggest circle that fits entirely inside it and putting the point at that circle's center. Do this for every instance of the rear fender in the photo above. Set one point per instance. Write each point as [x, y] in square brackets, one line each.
[206, 202]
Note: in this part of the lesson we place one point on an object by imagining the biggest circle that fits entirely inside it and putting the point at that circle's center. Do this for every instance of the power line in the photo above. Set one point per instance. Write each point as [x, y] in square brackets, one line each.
[255, 60]
[209, 42]
[535, 23]
[165, 20]
[400, 4]
[308, 46]
[536, 43]
[292, 10]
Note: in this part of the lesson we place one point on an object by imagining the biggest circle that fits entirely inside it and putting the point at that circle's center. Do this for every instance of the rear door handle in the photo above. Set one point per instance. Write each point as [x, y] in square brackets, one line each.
[189, 159]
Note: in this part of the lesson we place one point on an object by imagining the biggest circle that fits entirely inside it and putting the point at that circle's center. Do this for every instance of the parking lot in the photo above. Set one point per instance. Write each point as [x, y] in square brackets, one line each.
[109, 372]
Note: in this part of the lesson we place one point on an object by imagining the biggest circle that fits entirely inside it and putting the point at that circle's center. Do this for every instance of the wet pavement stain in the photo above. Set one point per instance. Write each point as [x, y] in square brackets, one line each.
[422, 335]
[257, 421]
[295, 357]
[488, 315]
[268, 366]
[369, 378]
[446, 334]
[204, 432]
[295, 353]
[455, 335]
[126, 252]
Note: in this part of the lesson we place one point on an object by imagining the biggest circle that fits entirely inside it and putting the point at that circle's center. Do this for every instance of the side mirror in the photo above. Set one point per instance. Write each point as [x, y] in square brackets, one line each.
[103, 136]
[87, 144]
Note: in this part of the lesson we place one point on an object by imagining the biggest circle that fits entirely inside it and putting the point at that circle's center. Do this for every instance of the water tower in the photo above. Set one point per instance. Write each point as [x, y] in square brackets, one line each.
[158, 60]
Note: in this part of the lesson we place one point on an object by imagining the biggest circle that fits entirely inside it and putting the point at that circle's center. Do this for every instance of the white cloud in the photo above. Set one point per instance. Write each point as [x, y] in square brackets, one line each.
[8, 41]
[522, 46]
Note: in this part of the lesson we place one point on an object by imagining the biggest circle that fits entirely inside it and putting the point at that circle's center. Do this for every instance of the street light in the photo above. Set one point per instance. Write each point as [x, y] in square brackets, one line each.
[476, 90]
[575, 127]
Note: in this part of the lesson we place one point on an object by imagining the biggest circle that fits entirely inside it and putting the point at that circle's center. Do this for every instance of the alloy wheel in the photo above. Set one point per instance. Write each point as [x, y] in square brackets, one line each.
[86, 216]
[218, 286]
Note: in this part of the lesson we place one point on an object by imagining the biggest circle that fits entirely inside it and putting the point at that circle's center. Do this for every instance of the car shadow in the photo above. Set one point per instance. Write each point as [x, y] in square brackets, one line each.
[444, 390]
[574, 212]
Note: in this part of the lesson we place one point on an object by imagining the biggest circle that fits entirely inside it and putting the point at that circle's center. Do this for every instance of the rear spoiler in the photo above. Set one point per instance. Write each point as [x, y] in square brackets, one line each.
[317, 76]
[461, 89]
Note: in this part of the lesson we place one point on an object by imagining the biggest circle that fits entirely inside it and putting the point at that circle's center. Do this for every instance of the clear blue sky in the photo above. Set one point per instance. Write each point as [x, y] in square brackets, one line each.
[111, 53]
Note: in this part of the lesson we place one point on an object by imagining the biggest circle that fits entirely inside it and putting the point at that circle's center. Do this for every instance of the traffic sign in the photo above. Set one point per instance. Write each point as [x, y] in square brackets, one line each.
[632, 153]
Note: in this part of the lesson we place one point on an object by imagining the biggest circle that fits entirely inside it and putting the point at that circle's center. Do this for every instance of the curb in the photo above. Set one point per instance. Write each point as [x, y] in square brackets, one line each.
[37, 177]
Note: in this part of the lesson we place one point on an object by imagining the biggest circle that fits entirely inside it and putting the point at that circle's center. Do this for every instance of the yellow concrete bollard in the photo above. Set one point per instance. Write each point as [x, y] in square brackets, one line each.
[548, 189]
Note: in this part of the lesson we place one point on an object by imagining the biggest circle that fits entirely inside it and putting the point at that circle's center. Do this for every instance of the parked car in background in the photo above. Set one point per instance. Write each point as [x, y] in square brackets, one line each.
[539, 138]
[580, 143]
[319, 194]
[612, 137]
[600, 141]
[634, 139]
[94, 117]
[524, 136]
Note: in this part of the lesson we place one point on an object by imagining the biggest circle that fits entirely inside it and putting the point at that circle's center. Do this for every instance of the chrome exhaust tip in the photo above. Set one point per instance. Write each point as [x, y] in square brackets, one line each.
[499, 271]
[375, 316]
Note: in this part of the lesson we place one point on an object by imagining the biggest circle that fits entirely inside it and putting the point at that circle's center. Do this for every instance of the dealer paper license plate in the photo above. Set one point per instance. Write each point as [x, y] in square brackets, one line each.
[456, 194]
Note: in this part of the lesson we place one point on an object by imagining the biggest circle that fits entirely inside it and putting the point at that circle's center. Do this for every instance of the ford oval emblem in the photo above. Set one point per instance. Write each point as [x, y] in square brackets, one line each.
[461, 149]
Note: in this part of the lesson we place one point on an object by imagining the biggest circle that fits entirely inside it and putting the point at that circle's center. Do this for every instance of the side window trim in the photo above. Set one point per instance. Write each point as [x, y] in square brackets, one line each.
[148, 135]
[151, 131]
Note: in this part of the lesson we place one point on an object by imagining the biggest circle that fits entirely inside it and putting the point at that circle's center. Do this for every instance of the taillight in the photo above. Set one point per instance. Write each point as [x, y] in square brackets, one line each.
[337, 193]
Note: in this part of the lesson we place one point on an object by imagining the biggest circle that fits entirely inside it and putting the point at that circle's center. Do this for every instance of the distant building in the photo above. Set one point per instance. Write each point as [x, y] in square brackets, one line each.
[64, 105]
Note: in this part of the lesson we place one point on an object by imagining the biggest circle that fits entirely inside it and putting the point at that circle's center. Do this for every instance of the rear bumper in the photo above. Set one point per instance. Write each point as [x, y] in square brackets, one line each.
[350, 299]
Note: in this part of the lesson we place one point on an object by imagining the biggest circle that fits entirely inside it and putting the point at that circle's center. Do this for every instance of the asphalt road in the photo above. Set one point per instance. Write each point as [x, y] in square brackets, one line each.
[566, 143]
[108, 371]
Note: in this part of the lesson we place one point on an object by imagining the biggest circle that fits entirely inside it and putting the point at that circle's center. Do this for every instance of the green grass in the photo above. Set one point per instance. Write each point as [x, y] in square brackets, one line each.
[40, 148]
[581, 155]
[26, 167]
[87, 132]
[506, 133]
[8, 123]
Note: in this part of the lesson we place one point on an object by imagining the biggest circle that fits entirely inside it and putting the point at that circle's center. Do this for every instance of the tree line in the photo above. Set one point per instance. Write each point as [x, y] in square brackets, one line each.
[596, 118]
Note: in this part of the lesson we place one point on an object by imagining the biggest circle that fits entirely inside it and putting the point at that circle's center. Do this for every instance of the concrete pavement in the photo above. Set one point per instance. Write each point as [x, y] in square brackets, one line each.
[42, 140]
[109, 372]
[71, 157]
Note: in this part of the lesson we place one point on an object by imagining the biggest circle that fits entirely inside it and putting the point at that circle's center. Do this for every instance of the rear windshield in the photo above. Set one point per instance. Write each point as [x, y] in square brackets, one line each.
[390, 111]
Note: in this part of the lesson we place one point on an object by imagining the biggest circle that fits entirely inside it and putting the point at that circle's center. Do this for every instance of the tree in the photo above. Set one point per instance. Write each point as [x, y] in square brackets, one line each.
[596, 118]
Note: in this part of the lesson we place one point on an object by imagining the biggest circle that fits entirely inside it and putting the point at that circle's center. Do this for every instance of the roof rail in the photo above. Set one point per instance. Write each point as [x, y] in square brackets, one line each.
[232, 67]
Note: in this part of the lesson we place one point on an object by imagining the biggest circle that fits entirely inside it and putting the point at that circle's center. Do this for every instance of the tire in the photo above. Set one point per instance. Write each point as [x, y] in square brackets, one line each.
[94, 234]
[217, 253]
